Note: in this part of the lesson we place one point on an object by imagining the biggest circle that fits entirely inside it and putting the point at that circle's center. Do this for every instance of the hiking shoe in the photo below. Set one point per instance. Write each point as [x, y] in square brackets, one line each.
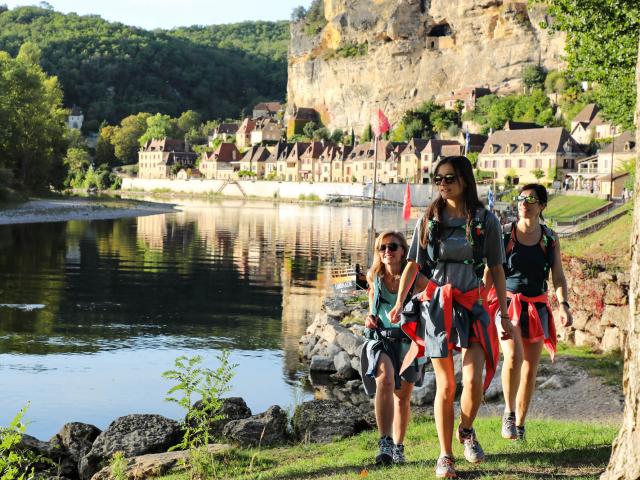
[446, 467]
[385, 455]
[398, 454]
[472, 450]
[509, 426]
[520, 433]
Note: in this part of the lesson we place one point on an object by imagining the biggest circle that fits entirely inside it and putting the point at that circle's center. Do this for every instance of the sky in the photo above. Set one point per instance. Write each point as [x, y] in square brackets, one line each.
[150, 14]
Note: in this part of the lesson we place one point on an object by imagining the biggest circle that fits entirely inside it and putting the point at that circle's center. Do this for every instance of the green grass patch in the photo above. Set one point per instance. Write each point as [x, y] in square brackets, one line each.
[553, 449]
[608, 366]
[564, 207]
[609, 246]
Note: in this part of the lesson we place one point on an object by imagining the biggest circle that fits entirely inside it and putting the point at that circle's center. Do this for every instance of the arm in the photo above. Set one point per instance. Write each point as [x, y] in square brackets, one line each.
[371, 320]
[560, 284]
[500, 284]
[487, 279]
[408, 275]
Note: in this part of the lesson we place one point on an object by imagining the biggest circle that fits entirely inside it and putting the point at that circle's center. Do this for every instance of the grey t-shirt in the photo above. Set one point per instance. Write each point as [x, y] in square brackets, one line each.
[455, 246]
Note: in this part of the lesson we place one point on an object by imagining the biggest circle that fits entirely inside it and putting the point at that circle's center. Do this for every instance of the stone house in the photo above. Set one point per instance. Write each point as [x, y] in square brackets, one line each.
[266, 130]
[279, 152]
[584, 123]
[409, 165]
[243, 135]
[157, 157]
[519, 153]
[332, 162]
[360, 162]
[225, 132]
[468, 96]
[75, 118]
[288, 165]
[267, 110]
[218, 165]
[430, 155]
[299, 118]
[309, 164]
[255, 160]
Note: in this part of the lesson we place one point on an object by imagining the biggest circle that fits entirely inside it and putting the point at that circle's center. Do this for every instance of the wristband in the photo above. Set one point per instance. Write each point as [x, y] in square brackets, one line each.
[505, 316]
[566, 304]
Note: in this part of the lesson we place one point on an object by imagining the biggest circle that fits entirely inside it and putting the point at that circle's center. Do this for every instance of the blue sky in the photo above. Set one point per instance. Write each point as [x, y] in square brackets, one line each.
[152, 14]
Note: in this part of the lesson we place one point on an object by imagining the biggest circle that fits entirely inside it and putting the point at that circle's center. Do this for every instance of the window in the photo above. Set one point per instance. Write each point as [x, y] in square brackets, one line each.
[522, 163]
[538, 163]
[507, 163]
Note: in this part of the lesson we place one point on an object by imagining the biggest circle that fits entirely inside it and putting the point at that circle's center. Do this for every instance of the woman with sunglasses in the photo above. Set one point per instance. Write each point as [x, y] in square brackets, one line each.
[532, 250]
[455, 237]
[386, 348]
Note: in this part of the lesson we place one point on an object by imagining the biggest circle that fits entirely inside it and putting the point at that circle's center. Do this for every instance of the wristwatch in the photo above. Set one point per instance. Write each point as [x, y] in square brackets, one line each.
[566, 304]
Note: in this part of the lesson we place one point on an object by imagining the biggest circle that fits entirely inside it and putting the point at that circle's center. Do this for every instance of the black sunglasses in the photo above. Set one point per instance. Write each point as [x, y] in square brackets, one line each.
[530, 199]
[449, 178]
[392, 247]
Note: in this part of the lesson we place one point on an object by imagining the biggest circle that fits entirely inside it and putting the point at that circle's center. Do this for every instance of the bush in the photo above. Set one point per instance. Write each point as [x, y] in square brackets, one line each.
[16, 463]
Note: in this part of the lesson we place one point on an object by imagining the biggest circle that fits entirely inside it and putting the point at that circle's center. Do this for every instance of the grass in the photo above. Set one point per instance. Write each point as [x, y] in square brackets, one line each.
[609, 246]
[609, 366]
[553, 449]
[564, 207]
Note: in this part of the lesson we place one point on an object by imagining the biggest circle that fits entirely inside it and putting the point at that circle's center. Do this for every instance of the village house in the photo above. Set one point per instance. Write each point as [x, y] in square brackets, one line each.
[430, 155]
[265, 130]
[225, 132]
[467, 98]
[360, 162]
[218, 165]
[279, 152]
[267, 110]
[309, 164]
[332, 162]
[255, 161]
[551, 152]
[440, 36]
[410, 160]
[75, 118]
[243, 135]
[299, 118]
[289, 165]
[159, 158]
[589, 125]
[594, 174]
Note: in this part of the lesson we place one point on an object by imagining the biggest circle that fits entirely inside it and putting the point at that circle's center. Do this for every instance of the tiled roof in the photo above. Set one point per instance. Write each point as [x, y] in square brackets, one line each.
[511, 125]
[587, 114]
[624, 143]
[551, 140]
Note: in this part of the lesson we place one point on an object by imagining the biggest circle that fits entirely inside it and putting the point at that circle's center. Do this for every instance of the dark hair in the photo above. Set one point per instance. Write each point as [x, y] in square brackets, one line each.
[541, 193]
[464, 170]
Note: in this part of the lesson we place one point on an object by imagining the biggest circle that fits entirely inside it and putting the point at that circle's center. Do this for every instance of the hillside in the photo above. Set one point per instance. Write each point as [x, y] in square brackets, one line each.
[112, 70]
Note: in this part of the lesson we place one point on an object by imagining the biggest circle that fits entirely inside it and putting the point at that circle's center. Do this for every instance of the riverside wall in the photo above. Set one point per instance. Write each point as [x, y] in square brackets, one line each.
[420, 194]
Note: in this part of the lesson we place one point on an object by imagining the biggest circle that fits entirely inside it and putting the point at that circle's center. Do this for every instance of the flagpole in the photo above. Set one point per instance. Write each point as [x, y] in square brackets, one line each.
[373, 191]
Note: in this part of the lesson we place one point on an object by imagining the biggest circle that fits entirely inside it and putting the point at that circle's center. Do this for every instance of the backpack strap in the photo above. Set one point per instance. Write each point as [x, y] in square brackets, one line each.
[509, 238]
[478, 236]
[548, 246]
[377, 295]
[433, 244]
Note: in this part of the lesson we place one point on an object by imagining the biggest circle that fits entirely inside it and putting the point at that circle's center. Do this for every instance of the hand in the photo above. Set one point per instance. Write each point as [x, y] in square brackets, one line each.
[371, 322]
[566, 319]
[394, 314]
[507, 328]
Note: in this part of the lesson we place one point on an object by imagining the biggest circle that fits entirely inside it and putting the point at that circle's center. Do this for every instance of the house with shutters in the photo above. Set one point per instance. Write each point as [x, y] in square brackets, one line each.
[222, 164]
[162, 158]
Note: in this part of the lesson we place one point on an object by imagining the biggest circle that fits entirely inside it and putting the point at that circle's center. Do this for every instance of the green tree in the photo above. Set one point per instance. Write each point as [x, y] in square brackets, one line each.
[309, 129]
[533, 76]
[188, 121]
[367, 134]
[105, 152]
[125, 137]
[538, 173]
[158, 126]
[602, 47]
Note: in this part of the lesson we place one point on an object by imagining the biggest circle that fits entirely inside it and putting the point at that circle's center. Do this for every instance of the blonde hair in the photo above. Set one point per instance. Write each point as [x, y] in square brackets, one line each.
[377, 267]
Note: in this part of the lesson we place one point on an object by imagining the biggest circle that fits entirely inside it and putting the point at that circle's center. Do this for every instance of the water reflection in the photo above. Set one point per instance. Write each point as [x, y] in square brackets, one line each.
[241, 275]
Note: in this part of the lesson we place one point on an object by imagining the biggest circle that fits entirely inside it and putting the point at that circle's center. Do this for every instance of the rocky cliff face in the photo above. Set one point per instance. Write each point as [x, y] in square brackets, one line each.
[396, 54]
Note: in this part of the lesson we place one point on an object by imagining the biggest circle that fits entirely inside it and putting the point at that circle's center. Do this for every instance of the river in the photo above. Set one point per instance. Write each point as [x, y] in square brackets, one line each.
[92, 312]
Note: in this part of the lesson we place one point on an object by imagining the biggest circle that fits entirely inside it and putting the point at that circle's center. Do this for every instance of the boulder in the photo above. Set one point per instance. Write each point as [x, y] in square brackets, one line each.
[615, 316]
[322, 364]
[611, 340]
[350, 343]
[56, 459]
[344, 370]
[76, 438]
[494, 392]
[426, 393]
[555, 382]
[615, 295]
[322, 421]
[134, 435]
[268, 428]
[584, 339]
[233, 408]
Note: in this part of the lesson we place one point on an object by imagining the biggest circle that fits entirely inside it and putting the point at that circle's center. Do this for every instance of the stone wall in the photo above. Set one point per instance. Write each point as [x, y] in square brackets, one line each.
[599, 303]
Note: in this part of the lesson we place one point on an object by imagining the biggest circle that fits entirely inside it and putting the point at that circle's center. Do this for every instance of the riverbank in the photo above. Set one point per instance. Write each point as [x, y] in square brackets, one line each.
[76, 208]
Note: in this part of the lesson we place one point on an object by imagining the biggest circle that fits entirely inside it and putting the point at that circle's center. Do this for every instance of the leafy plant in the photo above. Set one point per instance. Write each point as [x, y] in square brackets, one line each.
[118, 466]
[538, 173]
[15, 463]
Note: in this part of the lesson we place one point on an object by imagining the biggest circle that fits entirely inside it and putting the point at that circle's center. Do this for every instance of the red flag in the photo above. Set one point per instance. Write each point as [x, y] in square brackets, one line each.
[380, 124]
[406, 208]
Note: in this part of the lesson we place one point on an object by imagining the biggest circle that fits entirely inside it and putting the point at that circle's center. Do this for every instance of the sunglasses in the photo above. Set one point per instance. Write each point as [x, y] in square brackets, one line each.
[530, 199]
[392, 247]
[448, 179]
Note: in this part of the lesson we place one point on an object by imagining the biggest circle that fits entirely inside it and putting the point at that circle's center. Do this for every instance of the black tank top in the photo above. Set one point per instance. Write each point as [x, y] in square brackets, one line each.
[524, 270]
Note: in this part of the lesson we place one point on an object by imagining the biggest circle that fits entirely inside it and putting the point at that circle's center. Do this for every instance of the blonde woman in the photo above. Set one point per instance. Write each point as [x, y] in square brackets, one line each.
[384, 352]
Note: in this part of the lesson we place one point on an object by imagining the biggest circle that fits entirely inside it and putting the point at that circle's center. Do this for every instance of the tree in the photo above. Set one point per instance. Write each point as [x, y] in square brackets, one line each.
[533, 76]
[625, 455]
[105, 153]
[158, 126]
[298, 13]
[601, 47]
[309, 129]
[367, 134]
[188, 121]
[125, 137]
[538, 173]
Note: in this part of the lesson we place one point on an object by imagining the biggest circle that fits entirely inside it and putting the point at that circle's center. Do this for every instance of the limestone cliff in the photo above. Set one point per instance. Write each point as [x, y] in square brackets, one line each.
[395, 54]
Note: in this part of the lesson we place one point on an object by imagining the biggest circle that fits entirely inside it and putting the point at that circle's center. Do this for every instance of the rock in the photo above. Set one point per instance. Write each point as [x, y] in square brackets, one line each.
[268, 428]
[540, 380]
[555, 382]
[63, 464]
[615, 295]
[342, 363]
[425, 394]
[584, 339]
[335, 307]
[357, 330]
[611, 340]
[457, 367]
[580, 319]
[606, 277]
[623, 279]
[233, 408]
[350, 343]
[494, 392]
[321, 364]
[595, 328]
[332, 351]
[134, 435]
[322, 421]
[156, 464]
[76, 438]
[615, 316]
[353, 384]
[355, 364]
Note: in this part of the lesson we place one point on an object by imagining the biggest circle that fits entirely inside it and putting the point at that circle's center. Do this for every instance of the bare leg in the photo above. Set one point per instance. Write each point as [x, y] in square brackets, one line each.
[402, 411]
[472, 366]
[384, 396]
[443, 403]
[530, 364]
[511, 367]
